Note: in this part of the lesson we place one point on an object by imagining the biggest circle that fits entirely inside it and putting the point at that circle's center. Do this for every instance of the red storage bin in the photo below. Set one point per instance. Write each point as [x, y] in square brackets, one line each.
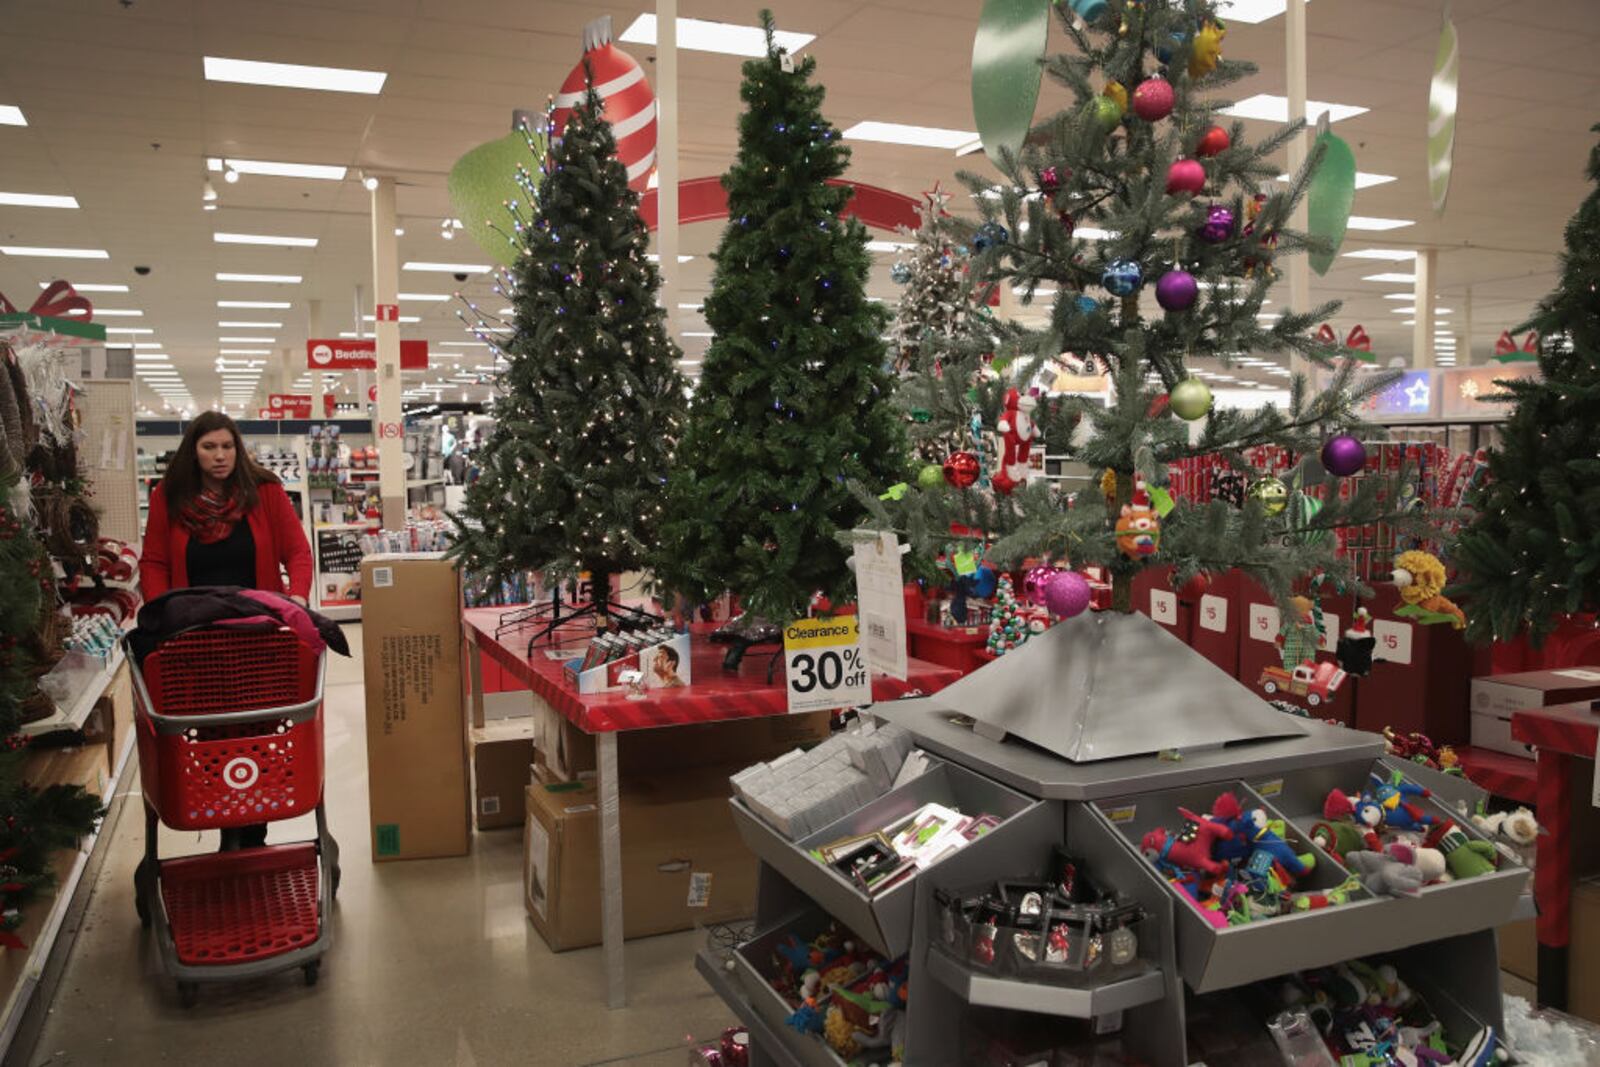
[1258, 651]
[1421, 675]
[1217, 625]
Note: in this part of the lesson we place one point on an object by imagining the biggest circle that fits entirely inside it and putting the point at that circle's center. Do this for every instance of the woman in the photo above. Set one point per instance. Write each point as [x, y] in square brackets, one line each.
[220, 518]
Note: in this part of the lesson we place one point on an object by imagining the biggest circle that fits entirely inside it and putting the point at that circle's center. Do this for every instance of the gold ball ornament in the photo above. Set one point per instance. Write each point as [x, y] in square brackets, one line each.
[1272, 494]
[1207, 50]
[1116, 91]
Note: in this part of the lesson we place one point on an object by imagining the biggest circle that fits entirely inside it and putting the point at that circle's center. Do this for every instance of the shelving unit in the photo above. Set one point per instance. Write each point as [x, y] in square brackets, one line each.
[73, 715]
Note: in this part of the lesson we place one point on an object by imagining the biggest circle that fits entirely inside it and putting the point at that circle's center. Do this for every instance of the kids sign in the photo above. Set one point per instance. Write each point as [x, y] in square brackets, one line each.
[331, 355]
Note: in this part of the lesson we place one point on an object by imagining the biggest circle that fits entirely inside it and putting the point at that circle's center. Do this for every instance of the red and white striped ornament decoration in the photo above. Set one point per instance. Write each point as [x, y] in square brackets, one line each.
[630, 103]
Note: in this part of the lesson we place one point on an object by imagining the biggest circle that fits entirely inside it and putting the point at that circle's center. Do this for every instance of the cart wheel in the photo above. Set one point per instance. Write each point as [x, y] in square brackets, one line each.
[188, 993]
[144, 911]
[313, 971]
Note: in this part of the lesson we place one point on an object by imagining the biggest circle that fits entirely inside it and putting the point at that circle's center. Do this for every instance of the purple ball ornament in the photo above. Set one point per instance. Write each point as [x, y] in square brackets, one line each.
[1185, 176]
[1218, 226]
[1067, 594]
[1035, 581]
[1177, 290]
[1343, 456]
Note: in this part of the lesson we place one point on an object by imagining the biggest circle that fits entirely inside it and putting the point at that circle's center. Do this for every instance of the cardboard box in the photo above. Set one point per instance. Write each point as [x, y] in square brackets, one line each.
[502, 767]
[567, 753]
[682, 860]
[1583, 957]
[1496, 698]
[1519, 949]
[664, 665]
[416, 746]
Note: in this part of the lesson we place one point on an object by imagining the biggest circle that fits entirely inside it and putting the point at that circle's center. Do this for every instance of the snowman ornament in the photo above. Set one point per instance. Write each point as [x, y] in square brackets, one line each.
[1017, 434]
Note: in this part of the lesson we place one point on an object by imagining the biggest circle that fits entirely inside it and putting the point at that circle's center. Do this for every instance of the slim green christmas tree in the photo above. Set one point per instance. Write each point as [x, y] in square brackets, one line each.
[590, 407]
[1532, 552]
[793, 404]
[1175, 203]
[33, 822]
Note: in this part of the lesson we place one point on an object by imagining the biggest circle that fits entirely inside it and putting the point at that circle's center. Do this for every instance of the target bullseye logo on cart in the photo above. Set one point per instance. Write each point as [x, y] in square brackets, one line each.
[241, 772]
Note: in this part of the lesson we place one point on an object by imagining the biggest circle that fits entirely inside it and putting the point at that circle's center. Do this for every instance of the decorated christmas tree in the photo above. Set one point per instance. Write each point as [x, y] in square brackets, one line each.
[33, 822]
[1136, 186]
[590, 406]
[793, 406]
[1010, 625]
[940, 300]
[1532, 553]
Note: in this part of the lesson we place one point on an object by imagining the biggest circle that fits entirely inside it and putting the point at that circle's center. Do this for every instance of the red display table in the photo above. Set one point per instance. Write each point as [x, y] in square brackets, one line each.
[956, 647]
[1563, 734]
[714, 695]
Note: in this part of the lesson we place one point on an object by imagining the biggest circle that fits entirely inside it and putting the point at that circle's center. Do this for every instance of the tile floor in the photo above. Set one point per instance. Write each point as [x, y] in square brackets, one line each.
[434, 962]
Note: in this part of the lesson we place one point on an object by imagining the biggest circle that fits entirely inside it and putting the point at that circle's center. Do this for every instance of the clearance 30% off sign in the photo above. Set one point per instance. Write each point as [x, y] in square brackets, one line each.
[825, 666]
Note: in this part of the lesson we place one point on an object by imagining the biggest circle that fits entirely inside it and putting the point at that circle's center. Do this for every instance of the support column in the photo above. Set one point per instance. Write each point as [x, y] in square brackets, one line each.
[319, 385]
[1422, 331]
[667, 157]
[1299, 148]
[1464, 340]
[387, 427]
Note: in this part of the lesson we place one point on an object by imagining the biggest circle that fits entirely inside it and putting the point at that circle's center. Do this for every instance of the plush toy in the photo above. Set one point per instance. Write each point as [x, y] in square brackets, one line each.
[1382, 873]
[1395, 798]
[1191, 847]
[1263, 839]
[1341, 838]
[1138, 532]
[840, 1033]
[1354, 650]
[1421, 578]
[1517, 827]
[1315, 900]
[1430, 861]
[1364, 811]
[1466, 857]
[1017, 434]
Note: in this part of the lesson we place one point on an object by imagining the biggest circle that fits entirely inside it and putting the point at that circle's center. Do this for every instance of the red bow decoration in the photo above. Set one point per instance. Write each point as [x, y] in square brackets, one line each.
[1506, 345]
[1530, 343]
[1326, 335]
[58, 300]
[1358, 339]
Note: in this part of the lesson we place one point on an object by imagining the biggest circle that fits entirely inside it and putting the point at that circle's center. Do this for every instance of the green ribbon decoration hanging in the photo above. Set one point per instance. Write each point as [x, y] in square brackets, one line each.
[484, 179]
[1006, 71]
[1330, 198]
[1442, 93]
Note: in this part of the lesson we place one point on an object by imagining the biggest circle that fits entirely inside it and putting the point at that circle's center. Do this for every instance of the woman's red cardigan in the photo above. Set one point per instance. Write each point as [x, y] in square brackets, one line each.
[279, 537]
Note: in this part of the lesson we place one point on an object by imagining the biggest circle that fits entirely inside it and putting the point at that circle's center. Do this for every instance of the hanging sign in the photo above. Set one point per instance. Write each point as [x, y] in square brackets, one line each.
[289, 405]
[881, 603]
[825, 667]
[328, 355]
[386, 313]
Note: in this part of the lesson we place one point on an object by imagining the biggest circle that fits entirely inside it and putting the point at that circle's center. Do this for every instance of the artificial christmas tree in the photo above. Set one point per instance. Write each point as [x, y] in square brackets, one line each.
[940, 300]
[590, 407]
[793, 404]
[1532, 553]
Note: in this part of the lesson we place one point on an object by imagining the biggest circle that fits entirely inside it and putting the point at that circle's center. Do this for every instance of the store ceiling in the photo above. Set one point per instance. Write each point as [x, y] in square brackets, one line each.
[120, 117]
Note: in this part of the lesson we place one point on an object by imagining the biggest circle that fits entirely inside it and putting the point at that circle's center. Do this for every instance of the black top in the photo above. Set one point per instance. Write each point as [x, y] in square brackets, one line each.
[230, 561]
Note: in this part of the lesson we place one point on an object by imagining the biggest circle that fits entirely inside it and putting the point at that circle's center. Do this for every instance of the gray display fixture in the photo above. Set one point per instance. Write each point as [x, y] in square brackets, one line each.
[1443, 940]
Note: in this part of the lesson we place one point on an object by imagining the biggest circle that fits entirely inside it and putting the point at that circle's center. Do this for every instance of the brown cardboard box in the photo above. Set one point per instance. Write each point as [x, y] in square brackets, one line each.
[567, 753]
[1519, 949]
[1497, 697]
[416, 747]
[682, 860]
[1583, 958]
[502, 767]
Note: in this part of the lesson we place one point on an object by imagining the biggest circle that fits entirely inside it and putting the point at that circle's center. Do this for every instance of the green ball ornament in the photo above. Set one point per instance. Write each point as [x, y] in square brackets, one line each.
[1191, 399]
[1107, 112]
[931, 476]
[484, 180]
[1272, 493]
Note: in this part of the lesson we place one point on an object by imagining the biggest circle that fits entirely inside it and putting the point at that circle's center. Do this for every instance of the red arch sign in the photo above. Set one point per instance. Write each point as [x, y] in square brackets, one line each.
[703, 199]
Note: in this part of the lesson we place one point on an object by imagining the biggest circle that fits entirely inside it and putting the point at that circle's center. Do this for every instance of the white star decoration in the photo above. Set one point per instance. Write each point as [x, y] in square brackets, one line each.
[937, 198]
[1417, 395]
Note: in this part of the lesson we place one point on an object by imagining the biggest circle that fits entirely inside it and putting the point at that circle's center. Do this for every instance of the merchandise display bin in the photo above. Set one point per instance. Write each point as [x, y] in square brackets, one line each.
[883, 920]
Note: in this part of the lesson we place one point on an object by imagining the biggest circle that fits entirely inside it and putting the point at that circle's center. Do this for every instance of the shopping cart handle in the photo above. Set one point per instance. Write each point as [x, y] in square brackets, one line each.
[173, 724]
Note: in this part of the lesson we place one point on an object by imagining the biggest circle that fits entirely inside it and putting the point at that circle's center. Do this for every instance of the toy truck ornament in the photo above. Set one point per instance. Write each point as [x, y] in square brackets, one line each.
[1316, 682]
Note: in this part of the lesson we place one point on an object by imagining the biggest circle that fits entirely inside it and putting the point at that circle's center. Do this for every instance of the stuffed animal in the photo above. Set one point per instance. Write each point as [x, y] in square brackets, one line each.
[1364, 811]
[1517, 827]
[1341, 838]
[1395, 797]
[1384, 874]
[1191, 847]
[1430, 861]
[1259, 833]
[1466, 857]
[1315, 900]
[1421, 577]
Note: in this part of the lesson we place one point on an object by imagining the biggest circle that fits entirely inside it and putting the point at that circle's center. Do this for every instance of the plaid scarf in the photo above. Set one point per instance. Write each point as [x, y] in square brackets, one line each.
[210, 516]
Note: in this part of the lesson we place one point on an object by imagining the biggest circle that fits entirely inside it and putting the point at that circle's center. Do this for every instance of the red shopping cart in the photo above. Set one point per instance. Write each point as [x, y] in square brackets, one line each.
[229, 722]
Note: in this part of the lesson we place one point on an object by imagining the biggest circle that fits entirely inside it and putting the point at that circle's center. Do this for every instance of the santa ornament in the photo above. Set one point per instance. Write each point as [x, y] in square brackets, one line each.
[1017, 434]
[630, 104]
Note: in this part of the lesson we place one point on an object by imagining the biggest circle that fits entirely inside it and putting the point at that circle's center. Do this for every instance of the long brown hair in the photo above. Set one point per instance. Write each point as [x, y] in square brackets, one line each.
[182, 481]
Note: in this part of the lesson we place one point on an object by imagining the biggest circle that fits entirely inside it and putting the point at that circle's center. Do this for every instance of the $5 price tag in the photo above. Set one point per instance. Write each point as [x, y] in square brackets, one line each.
[825, 666]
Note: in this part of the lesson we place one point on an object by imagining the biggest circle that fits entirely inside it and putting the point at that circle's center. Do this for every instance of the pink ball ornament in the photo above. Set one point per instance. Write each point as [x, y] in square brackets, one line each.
[1067, 594]
[1153, 99]
[1185, 176]
[1034, 582]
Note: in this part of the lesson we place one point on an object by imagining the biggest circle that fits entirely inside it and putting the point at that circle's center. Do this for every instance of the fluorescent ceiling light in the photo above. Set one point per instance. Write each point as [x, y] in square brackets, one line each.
[294, 76]
[447, 268]
[652, 257]
[264, 304]
[272, 169]
[1396, 254]
[466, 344]
[699, 334]
[888, 246]
[1251, 11]
[356, 336]
[1412, 310]
[90, 288]
[726, 38]
[1408, 322]
[263, 239]
[150, 345]
[1272, 108]
[690, 307]
[55, 253]
[150, 357]
[1364, 179]
[916, 136]
[118, 313]
[403, 318]
[36, 200]
[245, 351]
[1411, 297]
[1370, 222]
[252, 325]
[434, 297]
[1392, 277]
[129, 329]
[274, 279]
[11, 115]
[970, 147]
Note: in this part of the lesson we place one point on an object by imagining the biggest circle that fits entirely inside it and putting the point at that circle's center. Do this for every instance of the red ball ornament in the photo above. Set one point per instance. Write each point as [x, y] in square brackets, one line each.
[1068, 223]
[961, 469]
[1153, 99]
[1194, 588]
[630, 104]
[1185, 176]
[1213, 142]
